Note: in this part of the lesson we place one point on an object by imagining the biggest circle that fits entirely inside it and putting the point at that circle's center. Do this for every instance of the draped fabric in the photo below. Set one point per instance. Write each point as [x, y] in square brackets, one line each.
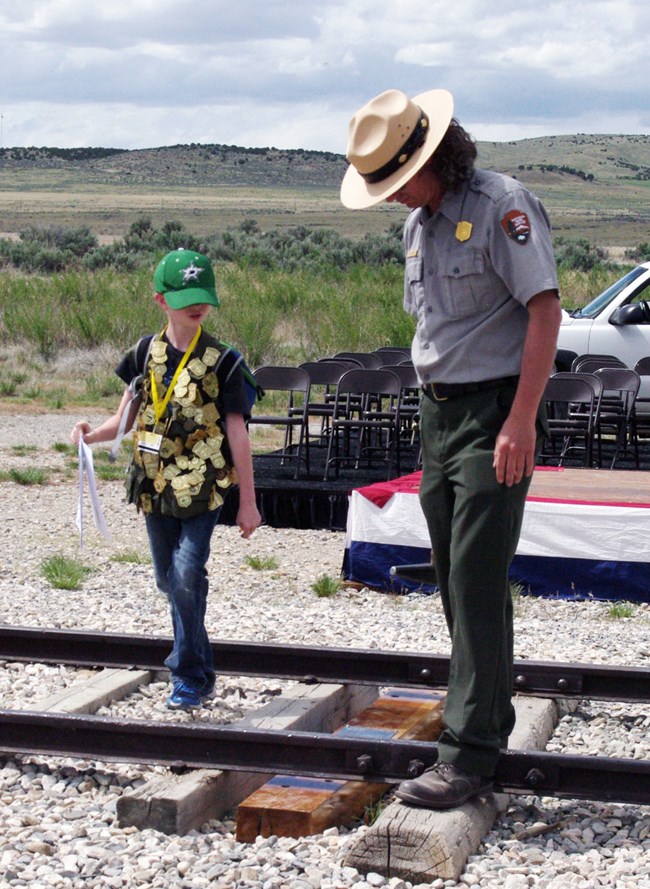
[568, 548]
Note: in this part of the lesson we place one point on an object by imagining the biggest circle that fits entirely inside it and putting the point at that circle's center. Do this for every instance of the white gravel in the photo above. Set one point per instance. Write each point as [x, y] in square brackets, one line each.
[57, 817]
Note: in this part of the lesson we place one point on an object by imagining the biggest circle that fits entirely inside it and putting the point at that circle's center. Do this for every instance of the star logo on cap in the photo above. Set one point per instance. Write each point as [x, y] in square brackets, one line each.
[191, 273]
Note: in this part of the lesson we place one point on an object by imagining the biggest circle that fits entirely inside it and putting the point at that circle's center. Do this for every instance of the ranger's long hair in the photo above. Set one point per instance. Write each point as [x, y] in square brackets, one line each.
[453, 160]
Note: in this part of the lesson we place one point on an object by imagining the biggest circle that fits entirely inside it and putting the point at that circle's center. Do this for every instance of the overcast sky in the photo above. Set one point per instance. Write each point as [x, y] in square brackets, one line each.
[146, 73]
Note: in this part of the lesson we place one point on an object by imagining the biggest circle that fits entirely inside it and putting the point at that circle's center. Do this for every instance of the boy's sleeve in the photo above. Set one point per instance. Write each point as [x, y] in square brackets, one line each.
[232, 387]
[132, 363]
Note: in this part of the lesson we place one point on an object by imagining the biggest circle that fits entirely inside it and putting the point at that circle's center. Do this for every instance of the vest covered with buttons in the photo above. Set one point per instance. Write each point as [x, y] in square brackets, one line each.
[192, 470]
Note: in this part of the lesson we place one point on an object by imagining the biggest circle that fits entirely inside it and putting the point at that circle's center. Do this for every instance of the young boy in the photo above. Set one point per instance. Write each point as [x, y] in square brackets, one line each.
[190, 445]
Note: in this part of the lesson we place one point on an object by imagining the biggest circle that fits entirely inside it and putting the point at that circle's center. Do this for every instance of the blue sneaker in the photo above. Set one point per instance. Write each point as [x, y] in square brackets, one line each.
[183, 697]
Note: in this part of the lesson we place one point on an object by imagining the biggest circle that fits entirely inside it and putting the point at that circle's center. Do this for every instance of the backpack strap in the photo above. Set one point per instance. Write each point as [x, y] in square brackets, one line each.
[135, 388]
[255, 391]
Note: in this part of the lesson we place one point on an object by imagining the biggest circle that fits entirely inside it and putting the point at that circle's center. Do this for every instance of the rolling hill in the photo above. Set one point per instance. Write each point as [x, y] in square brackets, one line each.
[594, 186]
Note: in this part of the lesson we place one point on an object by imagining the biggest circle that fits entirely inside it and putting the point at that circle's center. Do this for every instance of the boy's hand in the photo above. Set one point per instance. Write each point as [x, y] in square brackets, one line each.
[248, 519]
[78, 430]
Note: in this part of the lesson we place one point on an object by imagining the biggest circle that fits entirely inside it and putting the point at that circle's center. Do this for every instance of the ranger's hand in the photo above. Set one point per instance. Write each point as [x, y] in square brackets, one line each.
[514, 452]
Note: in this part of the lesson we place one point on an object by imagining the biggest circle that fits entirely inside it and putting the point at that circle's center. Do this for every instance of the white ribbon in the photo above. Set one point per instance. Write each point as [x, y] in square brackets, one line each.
[86, 466]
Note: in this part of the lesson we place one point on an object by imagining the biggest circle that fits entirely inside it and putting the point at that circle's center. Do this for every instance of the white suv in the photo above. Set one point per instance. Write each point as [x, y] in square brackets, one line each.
[615, 323]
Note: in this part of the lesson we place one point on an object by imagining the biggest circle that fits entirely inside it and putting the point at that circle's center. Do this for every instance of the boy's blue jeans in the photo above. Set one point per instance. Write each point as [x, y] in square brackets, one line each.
[180, 550]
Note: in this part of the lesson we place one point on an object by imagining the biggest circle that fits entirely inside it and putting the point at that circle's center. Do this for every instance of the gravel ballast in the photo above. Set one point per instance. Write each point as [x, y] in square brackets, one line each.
[57, 818]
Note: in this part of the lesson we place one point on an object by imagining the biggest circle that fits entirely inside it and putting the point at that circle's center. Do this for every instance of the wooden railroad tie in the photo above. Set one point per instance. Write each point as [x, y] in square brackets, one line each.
[290, 806]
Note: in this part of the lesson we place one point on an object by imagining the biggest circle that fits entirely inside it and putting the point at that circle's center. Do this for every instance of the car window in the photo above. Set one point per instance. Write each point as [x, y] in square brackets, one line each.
[596, 306]
[642, 294]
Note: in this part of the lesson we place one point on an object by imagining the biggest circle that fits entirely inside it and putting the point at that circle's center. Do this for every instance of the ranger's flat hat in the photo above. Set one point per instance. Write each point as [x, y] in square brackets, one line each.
[389, 140]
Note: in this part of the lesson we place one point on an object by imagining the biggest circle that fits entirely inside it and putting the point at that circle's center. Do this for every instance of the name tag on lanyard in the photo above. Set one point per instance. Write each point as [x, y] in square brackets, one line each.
[150, 442]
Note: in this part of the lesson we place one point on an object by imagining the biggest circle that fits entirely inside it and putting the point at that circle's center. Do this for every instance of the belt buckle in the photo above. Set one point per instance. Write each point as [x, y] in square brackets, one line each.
[437, 397]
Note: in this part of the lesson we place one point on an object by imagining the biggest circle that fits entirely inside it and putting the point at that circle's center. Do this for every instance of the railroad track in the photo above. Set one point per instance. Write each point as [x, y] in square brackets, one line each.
[308, 753]
[306, 664]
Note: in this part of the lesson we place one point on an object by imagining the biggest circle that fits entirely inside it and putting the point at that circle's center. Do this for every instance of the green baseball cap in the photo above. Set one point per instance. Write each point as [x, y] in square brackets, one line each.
[185, 278]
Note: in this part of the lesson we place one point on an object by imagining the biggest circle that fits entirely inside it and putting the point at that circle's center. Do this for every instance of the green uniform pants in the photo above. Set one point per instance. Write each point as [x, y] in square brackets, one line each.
[474, 524]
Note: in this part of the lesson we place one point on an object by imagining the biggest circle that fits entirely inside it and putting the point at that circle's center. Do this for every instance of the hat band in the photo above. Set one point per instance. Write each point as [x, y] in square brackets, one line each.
[408, 149]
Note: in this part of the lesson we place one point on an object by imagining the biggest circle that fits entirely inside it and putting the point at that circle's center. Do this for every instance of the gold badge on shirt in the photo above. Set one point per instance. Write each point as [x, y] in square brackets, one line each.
[463, 230]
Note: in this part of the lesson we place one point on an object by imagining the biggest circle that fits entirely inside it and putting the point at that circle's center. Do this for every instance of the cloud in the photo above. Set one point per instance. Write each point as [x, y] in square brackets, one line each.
[134, 73]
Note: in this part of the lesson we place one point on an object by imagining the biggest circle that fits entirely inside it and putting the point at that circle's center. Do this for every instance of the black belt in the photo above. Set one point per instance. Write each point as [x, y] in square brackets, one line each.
[443, 391]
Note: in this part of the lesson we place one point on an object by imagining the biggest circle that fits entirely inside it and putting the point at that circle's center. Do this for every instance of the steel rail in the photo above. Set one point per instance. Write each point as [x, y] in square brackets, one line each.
[307, 664]
[338, 756]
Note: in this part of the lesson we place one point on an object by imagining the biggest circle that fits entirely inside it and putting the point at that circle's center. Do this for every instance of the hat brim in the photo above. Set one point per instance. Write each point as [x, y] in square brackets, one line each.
[191, 296]
[357, 194]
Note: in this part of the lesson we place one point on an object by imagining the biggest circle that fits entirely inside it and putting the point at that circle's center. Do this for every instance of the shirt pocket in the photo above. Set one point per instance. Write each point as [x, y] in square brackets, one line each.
[465, 285]
[414, 276]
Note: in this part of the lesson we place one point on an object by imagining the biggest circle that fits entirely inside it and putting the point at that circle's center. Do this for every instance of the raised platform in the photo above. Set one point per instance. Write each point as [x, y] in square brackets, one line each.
[584, 534]
[308, 502]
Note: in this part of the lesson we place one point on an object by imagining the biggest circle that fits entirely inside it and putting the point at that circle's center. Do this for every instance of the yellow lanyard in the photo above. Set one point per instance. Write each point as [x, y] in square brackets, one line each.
[161, 405]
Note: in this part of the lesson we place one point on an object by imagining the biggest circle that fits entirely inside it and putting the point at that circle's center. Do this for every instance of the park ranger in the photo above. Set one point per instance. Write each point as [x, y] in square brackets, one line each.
[481, 282]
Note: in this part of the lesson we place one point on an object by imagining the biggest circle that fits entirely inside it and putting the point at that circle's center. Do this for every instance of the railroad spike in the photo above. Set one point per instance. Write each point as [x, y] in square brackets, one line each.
[415, 768]
[365, 763]
[535, 777]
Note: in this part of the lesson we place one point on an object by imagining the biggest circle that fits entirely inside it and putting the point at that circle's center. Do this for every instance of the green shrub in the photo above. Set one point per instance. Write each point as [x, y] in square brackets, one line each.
[22, 450]
[262, 563]
[578, 254]
[640, 253]
[64, 447]
[63, 573]
[618, 610]
[29, 476]
[326, 586]
[109, 472]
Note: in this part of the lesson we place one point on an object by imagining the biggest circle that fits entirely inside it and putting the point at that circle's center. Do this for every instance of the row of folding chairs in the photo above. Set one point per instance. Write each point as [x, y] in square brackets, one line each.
[358, 415]
[639, 420]
[362, 414]
[588, 411]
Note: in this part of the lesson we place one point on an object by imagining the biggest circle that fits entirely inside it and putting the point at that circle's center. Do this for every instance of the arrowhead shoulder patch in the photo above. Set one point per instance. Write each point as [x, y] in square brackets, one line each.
[516, 225]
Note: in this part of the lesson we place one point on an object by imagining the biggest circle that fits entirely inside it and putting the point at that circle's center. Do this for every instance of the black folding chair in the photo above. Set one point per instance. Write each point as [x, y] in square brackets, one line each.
[350, 363]
[403, 350]
[590, 363]
[392, 356]
[409, 407]
[366, 420]
[293, 383]
[365, 359]
[572, 403]
[616, 416]
[642, 403]
[323, 378]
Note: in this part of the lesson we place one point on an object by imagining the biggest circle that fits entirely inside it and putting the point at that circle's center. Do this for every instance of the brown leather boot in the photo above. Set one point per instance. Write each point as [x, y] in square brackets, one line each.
[443, 786]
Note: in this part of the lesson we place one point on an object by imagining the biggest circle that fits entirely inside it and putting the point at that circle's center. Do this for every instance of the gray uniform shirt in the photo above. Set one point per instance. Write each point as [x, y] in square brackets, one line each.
[469, 296]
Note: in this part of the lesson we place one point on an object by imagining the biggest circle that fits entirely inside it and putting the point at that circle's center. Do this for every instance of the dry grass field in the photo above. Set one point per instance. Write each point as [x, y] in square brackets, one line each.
[595, 187]
[109, 210]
